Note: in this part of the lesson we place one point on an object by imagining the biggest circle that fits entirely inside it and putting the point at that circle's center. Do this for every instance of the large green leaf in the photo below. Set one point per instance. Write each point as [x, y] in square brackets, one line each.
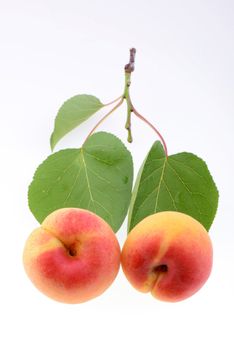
[72, 113]
[97, 177]
[181, 182]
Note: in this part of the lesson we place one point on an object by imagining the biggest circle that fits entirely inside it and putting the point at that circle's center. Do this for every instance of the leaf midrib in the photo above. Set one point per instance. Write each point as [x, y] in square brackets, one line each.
[155, 189]
[159, 185]
[86, 175]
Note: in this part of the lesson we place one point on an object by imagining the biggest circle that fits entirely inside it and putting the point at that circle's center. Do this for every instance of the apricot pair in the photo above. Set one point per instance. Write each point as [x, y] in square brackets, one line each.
[75, 256]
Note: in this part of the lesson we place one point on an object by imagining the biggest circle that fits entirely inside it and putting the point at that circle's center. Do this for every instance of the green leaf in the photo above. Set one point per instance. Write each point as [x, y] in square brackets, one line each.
[72, 113]
[96, 177]
[181, 182]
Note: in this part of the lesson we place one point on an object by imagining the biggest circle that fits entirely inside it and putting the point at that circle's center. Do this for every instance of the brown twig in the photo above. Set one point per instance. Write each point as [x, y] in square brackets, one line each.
[129, 67]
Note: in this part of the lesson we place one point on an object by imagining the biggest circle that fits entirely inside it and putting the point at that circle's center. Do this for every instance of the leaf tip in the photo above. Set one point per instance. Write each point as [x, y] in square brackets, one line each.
[52, 142]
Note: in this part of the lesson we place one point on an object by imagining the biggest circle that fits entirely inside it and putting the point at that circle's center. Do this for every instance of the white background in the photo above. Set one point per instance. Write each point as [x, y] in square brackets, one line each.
[183, 83]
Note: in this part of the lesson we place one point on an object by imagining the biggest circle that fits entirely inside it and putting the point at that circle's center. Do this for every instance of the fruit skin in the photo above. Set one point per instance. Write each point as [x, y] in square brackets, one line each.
[73, 257]
[168, 254]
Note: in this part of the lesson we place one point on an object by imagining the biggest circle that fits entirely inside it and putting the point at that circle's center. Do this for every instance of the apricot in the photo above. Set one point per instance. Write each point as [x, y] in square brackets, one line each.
[73, 257]
[168, 254]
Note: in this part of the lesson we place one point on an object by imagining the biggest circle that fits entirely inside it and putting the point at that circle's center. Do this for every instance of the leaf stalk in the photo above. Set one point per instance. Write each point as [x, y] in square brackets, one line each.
[103, 118]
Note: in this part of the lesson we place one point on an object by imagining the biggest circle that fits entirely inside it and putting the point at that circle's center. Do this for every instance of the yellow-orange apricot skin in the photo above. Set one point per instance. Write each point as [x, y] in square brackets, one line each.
[168, 254]
[73, 257]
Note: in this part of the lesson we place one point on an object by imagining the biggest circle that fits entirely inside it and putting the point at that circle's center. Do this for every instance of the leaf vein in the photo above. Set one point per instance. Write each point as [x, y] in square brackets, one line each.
[173, 201]
[73, 186]
[148, 176]
[180, 178]
[184, 164]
